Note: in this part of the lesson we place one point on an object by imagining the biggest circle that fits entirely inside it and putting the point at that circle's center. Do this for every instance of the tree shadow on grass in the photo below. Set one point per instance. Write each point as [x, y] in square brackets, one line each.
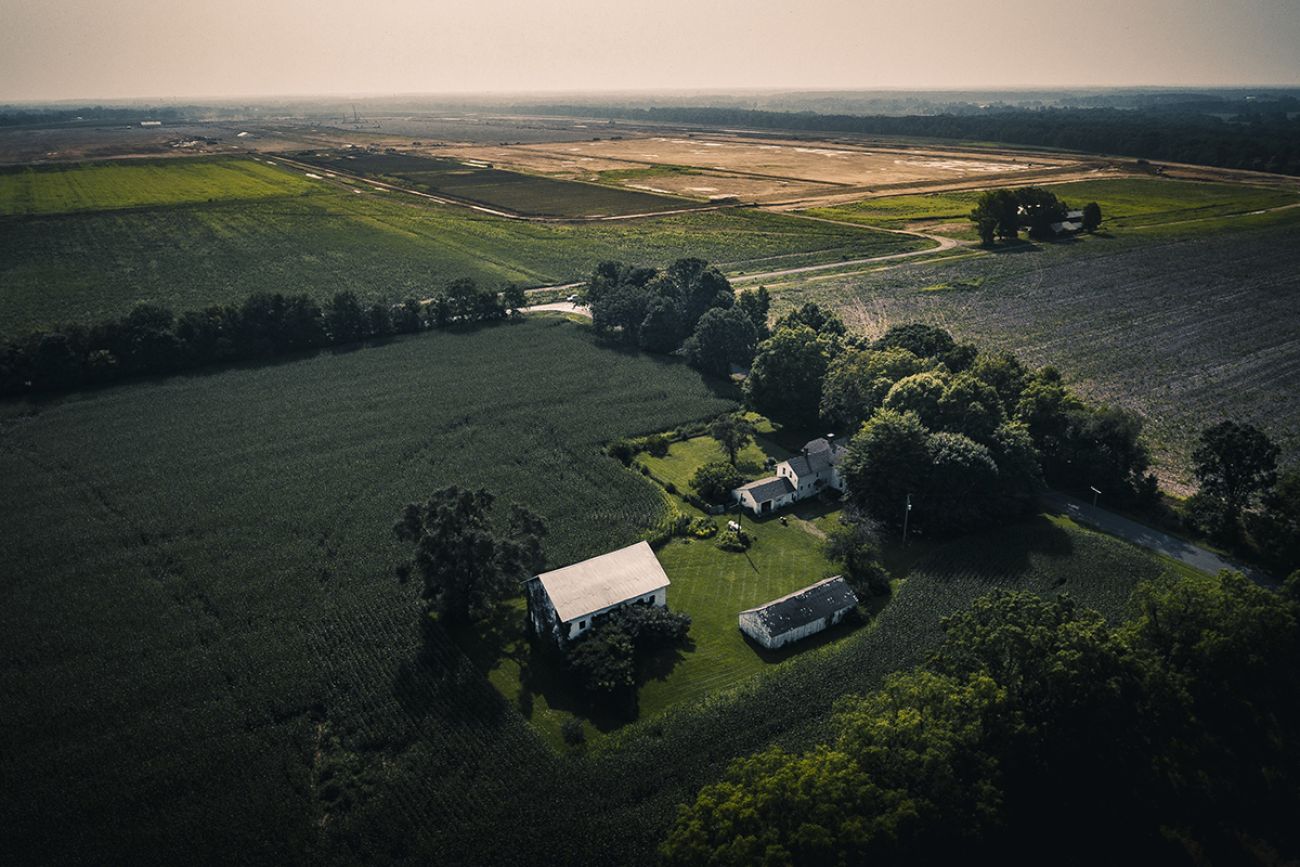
[1007, 248]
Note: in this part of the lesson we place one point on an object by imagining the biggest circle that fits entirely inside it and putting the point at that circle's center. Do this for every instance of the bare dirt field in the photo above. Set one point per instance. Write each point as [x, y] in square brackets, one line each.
[769, 170]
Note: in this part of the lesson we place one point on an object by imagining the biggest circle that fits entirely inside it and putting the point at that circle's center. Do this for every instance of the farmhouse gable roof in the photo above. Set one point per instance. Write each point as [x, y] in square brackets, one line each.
[768, 489]
[603, 582]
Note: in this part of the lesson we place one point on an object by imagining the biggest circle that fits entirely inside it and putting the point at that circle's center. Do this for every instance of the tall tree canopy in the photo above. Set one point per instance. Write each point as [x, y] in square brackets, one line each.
[467, 561]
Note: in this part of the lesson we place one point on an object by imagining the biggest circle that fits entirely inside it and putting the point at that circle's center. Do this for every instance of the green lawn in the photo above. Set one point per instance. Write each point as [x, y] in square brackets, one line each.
[1125, 203]
[711, 585]
[687, 456]
[714, 586]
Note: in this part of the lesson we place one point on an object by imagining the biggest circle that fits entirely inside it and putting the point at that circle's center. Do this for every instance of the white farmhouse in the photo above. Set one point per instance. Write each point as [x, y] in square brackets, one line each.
[805, 475]
[799, 614]
[567, 602]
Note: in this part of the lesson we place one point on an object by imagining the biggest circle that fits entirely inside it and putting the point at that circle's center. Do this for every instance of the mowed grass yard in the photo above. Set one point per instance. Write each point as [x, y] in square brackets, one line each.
[113, 245]
[711, 585]
[1125, 203]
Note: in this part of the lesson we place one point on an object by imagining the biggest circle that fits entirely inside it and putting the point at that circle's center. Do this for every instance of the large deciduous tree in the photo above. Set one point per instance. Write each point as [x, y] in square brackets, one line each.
[467, 561]
[856, 382]
[1235, 462]
[785, 381]
[733, 432]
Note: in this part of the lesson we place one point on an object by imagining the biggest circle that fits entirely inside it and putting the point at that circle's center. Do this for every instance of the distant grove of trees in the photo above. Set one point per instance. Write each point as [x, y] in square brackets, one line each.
[1261, 141]
[1002, 213]
[152, 340]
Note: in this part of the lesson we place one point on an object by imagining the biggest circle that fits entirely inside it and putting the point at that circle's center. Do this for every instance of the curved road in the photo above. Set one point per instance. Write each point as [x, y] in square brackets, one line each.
[1147, 537]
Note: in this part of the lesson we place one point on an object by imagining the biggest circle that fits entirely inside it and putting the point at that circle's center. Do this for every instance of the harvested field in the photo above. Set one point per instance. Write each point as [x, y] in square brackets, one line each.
[512, 191]
[763, 170]
[1185, 324]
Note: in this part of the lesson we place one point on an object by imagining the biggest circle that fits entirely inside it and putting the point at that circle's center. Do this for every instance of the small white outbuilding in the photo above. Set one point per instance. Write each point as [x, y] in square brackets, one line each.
[799, 614]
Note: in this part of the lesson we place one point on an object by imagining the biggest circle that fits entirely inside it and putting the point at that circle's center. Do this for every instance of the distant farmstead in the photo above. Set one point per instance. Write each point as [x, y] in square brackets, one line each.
[800, 614]
[567, 602]
[807, 474]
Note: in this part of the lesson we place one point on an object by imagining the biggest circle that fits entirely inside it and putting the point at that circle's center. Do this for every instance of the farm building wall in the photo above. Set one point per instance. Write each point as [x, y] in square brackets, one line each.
[751, 625]
[573, 628]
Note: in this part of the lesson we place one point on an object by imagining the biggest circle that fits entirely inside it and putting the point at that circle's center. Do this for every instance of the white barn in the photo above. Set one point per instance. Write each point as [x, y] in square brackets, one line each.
[807, 474]
[799, 614]
[565, 603]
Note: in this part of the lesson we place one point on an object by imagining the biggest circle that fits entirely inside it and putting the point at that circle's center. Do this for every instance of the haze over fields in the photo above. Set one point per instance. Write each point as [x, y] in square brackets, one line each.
[70, 49]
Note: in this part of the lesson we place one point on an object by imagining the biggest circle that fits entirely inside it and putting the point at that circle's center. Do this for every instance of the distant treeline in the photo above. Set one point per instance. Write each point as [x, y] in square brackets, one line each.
[152, 340]
[10, 116]
[1266, 140]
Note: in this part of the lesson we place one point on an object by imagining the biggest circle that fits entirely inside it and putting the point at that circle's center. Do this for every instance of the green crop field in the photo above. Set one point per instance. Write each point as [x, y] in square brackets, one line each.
[195, 564]
[1125, 203]
[207, 648]
[1184, 324]
[513, 191]
[87, 265]
[142, 183]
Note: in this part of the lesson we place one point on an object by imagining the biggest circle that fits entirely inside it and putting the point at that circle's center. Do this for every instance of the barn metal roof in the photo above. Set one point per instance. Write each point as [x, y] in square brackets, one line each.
[805, 606]
[598, 583]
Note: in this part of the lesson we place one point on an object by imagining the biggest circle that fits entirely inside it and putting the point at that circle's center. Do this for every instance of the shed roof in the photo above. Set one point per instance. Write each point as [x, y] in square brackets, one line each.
[604, 581]
[768, 489]
[804, 606]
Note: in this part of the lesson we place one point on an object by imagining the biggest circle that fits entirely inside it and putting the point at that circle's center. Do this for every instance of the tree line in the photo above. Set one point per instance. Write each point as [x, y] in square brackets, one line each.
[152, 340]
[1268, 142]
[1039, 731]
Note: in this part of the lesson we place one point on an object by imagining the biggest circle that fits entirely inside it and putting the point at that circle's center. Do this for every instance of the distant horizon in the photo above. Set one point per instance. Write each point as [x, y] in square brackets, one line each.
[69, 50]
[547, 93]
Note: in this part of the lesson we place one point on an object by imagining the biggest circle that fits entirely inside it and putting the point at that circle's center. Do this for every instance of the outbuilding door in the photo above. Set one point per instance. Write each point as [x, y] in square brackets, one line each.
[767, 506]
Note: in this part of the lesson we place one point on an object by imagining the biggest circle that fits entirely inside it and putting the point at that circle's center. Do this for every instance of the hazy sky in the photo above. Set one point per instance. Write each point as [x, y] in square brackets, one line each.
[57, 49]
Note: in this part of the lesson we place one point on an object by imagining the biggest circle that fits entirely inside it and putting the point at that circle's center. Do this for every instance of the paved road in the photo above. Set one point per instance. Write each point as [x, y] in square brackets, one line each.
[1147, 537]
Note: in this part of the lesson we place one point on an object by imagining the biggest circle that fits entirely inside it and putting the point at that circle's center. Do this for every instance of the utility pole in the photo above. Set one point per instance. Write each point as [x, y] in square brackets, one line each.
[907, 513]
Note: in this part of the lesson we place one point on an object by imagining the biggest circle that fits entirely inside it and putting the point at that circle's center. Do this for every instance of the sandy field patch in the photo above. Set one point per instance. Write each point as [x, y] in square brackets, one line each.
[764, 170]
